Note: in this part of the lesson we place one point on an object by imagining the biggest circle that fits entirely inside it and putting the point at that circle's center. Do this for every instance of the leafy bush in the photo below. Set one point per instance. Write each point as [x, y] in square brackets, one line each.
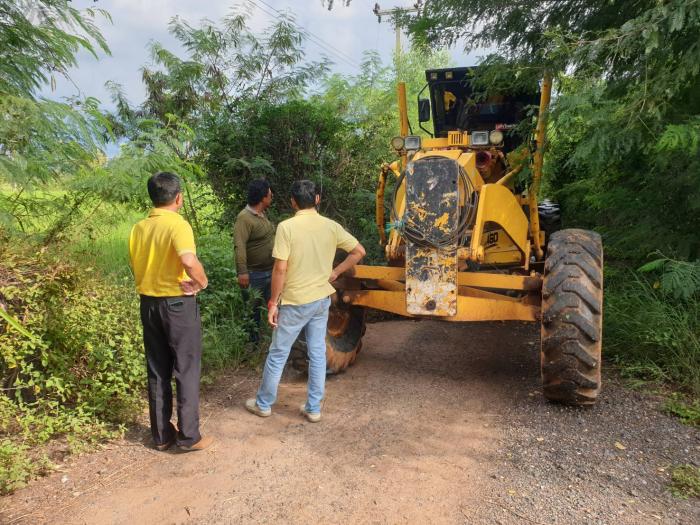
[80, 372]
[16, 467]
[652, 326]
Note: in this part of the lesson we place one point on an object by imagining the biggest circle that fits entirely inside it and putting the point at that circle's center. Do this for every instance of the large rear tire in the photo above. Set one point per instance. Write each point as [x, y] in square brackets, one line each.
[346, 326]
[550, 218]
[572, 317]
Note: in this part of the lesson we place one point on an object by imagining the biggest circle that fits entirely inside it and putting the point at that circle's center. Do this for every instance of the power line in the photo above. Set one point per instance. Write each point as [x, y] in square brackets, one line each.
[311, 36]
[351, 59]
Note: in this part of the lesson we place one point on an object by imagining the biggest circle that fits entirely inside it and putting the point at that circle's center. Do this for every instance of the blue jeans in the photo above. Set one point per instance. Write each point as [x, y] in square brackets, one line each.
[291, 320]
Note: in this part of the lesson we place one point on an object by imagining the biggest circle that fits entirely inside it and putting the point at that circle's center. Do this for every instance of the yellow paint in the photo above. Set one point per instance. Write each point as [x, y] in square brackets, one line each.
[504, 251]
[468, 308]
[497, 204]
[468, 291]
[379, 205]
[475, 279]
[441, 221]
[435, 142]
[538, 160]
[448, 100]
[457, 138]
[420, 212]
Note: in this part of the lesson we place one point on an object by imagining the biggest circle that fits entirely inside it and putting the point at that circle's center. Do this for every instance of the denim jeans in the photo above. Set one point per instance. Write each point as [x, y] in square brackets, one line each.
[291, 320]
[260, 281]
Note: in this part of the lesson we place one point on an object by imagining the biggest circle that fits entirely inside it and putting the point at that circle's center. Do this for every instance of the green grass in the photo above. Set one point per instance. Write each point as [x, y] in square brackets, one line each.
[685, 481]
[688, 411]
[651, 335]
[105, 244]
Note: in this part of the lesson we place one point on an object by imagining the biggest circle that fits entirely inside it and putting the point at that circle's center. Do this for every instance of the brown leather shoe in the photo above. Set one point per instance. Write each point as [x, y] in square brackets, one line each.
[204, 442]
[165, 446]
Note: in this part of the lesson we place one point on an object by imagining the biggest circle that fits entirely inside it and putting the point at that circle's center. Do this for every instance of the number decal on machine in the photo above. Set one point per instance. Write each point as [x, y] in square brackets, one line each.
[491, 239]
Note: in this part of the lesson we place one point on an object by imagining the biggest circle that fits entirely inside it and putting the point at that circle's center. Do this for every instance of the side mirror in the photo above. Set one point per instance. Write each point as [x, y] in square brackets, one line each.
[423, 110]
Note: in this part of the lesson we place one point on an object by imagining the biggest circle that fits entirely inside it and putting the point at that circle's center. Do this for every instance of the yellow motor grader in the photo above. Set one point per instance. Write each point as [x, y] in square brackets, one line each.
[465, 245]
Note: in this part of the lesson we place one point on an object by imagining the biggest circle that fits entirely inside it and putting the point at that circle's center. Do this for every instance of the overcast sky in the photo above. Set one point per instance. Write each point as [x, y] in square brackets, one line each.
[350, 30]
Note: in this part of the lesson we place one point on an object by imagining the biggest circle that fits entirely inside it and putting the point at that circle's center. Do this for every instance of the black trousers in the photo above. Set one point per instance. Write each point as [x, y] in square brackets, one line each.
[172, 336]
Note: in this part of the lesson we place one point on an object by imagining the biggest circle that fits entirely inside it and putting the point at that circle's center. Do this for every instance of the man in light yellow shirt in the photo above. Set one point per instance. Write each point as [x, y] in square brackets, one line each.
[304, 249]
[168, 275]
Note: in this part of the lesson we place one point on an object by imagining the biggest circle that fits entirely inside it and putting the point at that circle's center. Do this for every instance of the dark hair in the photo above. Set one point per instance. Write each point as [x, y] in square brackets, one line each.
[163, 187]
[257, 191]
[304, 194]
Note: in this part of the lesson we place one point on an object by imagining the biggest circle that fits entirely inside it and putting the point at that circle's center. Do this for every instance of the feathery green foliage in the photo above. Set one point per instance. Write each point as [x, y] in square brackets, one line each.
[39, 38]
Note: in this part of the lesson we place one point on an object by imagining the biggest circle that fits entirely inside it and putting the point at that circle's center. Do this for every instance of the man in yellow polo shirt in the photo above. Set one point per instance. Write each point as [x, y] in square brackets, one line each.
[304, 250]
[168, 275]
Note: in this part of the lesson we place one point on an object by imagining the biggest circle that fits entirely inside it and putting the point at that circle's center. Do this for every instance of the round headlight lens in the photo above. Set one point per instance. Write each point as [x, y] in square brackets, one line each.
[496, 137]
[397, 143]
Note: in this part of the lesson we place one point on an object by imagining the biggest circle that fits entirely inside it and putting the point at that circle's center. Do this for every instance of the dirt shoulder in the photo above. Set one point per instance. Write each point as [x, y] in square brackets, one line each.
[436, 422]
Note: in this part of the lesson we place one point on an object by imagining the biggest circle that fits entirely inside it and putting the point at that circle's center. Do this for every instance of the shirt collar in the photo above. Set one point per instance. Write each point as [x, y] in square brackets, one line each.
[159, 212]
[251, 210]
[307, 211]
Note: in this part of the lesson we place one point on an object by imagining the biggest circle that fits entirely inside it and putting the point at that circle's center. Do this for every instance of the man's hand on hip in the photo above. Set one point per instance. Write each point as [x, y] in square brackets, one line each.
[272, 312]
[189, 287]
[243, 280]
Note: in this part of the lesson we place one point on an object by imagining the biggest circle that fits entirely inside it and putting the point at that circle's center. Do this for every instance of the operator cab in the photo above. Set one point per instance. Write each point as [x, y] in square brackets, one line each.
[457, 106]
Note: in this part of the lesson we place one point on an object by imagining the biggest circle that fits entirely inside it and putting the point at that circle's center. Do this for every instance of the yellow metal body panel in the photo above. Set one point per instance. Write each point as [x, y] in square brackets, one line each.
[474, 279]
[499, 248]
[497, 204]
[468, 308]
[432, 143]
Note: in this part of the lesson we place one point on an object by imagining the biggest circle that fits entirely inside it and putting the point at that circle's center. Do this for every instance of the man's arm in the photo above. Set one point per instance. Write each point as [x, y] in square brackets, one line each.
[354, 257]
[241, 233]
[195, 271]
[279, 272]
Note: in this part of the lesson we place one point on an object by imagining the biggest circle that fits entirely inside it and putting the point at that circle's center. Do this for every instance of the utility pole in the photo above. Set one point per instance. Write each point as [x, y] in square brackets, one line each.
[393, 13]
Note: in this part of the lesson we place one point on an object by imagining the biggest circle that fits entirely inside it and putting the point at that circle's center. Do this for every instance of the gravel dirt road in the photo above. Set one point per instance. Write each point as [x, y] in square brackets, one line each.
[435, 423]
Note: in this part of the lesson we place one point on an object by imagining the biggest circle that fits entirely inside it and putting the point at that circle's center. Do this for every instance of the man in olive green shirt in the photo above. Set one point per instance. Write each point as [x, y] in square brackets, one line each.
[254, 237]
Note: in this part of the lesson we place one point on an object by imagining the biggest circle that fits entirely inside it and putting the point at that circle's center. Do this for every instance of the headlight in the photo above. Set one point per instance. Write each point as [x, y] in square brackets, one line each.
[397, 143]
[412, 142]
[496, 137]
[480, 138]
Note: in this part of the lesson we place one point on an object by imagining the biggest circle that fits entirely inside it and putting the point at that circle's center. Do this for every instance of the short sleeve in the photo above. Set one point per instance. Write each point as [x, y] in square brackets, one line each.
[282, 245]
[344, 240]
[183, 238]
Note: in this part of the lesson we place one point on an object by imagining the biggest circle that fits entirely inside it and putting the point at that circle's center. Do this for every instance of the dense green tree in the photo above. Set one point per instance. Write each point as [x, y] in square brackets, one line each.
[625, 120]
